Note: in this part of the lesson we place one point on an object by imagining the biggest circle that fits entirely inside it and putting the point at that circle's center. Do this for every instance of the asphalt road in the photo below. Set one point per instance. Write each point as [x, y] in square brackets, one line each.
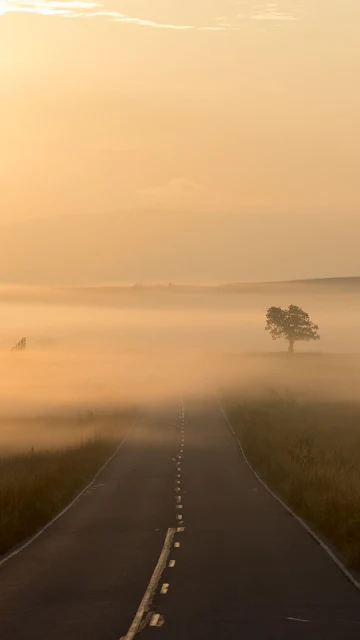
[237, 565]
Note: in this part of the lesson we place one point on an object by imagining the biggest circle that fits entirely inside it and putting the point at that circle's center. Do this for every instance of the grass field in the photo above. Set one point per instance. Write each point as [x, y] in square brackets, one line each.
[309, 453]
[36, 485]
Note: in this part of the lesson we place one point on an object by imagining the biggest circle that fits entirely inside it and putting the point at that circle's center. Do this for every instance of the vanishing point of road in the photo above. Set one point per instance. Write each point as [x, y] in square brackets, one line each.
[176, 539]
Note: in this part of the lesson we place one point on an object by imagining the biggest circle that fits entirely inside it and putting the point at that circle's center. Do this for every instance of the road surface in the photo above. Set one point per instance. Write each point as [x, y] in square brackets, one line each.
[237, 564]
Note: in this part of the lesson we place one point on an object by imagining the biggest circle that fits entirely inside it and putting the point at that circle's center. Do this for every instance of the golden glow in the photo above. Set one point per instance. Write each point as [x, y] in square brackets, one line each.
[234, 110]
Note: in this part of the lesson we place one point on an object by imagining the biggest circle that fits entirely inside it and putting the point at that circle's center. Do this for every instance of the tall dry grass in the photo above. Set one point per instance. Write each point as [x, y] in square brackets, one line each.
[36, 484]
[309, 453]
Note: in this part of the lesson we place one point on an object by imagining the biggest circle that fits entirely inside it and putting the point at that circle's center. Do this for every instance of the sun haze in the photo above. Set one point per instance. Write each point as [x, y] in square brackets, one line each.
[242, 116]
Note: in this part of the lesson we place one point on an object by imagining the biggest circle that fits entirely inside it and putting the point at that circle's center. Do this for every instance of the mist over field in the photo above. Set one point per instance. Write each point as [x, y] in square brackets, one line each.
[107, 349]
[221, 318]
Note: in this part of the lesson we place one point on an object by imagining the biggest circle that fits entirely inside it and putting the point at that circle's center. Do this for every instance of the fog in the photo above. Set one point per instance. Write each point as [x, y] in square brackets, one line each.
[110, 350]
[156, 318]
[188, 141]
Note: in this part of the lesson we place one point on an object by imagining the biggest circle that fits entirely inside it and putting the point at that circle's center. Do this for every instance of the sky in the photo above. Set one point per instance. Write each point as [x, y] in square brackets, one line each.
[233, 109]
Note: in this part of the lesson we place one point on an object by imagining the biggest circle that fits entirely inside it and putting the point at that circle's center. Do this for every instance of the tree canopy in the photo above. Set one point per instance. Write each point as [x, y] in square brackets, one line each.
[292, 324]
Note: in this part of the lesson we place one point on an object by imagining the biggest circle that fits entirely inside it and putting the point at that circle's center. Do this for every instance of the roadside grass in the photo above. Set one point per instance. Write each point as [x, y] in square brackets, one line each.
[36, 485]
[309, 453]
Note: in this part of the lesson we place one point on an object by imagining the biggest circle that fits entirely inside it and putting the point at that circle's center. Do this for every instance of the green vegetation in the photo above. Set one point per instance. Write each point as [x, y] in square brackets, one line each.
[36, 485]
[309, 453]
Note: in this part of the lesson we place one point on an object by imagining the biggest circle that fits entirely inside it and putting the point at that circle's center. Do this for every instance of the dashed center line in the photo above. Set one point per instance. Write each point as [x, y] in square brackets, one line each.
[157, 619]
[154, 622]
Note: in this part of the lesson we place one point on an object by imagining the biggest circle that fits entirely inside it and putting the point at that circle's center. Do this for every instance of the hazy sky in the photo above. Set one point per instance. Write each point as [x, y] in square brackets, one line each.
[239, 107]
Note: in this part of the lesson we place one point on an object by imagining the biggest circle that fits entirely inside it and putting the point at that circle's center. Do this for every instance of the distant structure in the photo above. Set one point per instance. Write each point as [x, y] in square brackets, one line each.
[20, 346]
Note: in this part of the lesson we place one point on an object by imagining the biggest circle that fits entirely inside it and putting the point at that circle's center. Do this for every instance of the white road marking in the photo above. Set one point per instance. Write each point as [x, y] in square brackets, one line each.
[172, 564]
[79, 495]
[302, 522]
[178, 498]
[152, 586]
[179, 516]
[177, 488]
[177, 545]
[297, 620]
[155, 620]
[179, 506]
[165, 588]
[180, 530]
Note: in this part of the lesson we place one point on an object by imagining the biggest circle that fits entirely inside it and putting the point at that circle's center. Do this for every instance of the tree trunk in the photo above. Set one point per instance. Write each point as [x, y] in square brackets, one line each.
[291, 346]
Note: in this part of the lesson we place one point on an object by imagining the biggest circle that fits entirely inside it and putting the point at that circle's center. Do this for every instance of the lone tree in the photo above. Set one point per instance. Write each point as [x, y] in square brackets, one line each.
[293, 324]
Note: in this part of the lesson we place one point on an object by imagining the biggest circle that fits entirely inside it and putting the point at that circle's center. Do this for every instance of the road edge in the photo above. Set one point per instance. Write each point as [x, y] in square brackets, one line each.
[37, 535]
[302, 522]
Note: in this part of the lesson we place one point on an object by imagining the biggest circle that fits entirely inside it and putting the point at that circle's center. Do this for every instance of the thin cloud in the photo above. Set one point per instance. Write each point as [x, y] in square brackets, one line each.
[178, 192]
[275, 15]
[79, 9]
[93, 9]
[267, 12]
[47, 7]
